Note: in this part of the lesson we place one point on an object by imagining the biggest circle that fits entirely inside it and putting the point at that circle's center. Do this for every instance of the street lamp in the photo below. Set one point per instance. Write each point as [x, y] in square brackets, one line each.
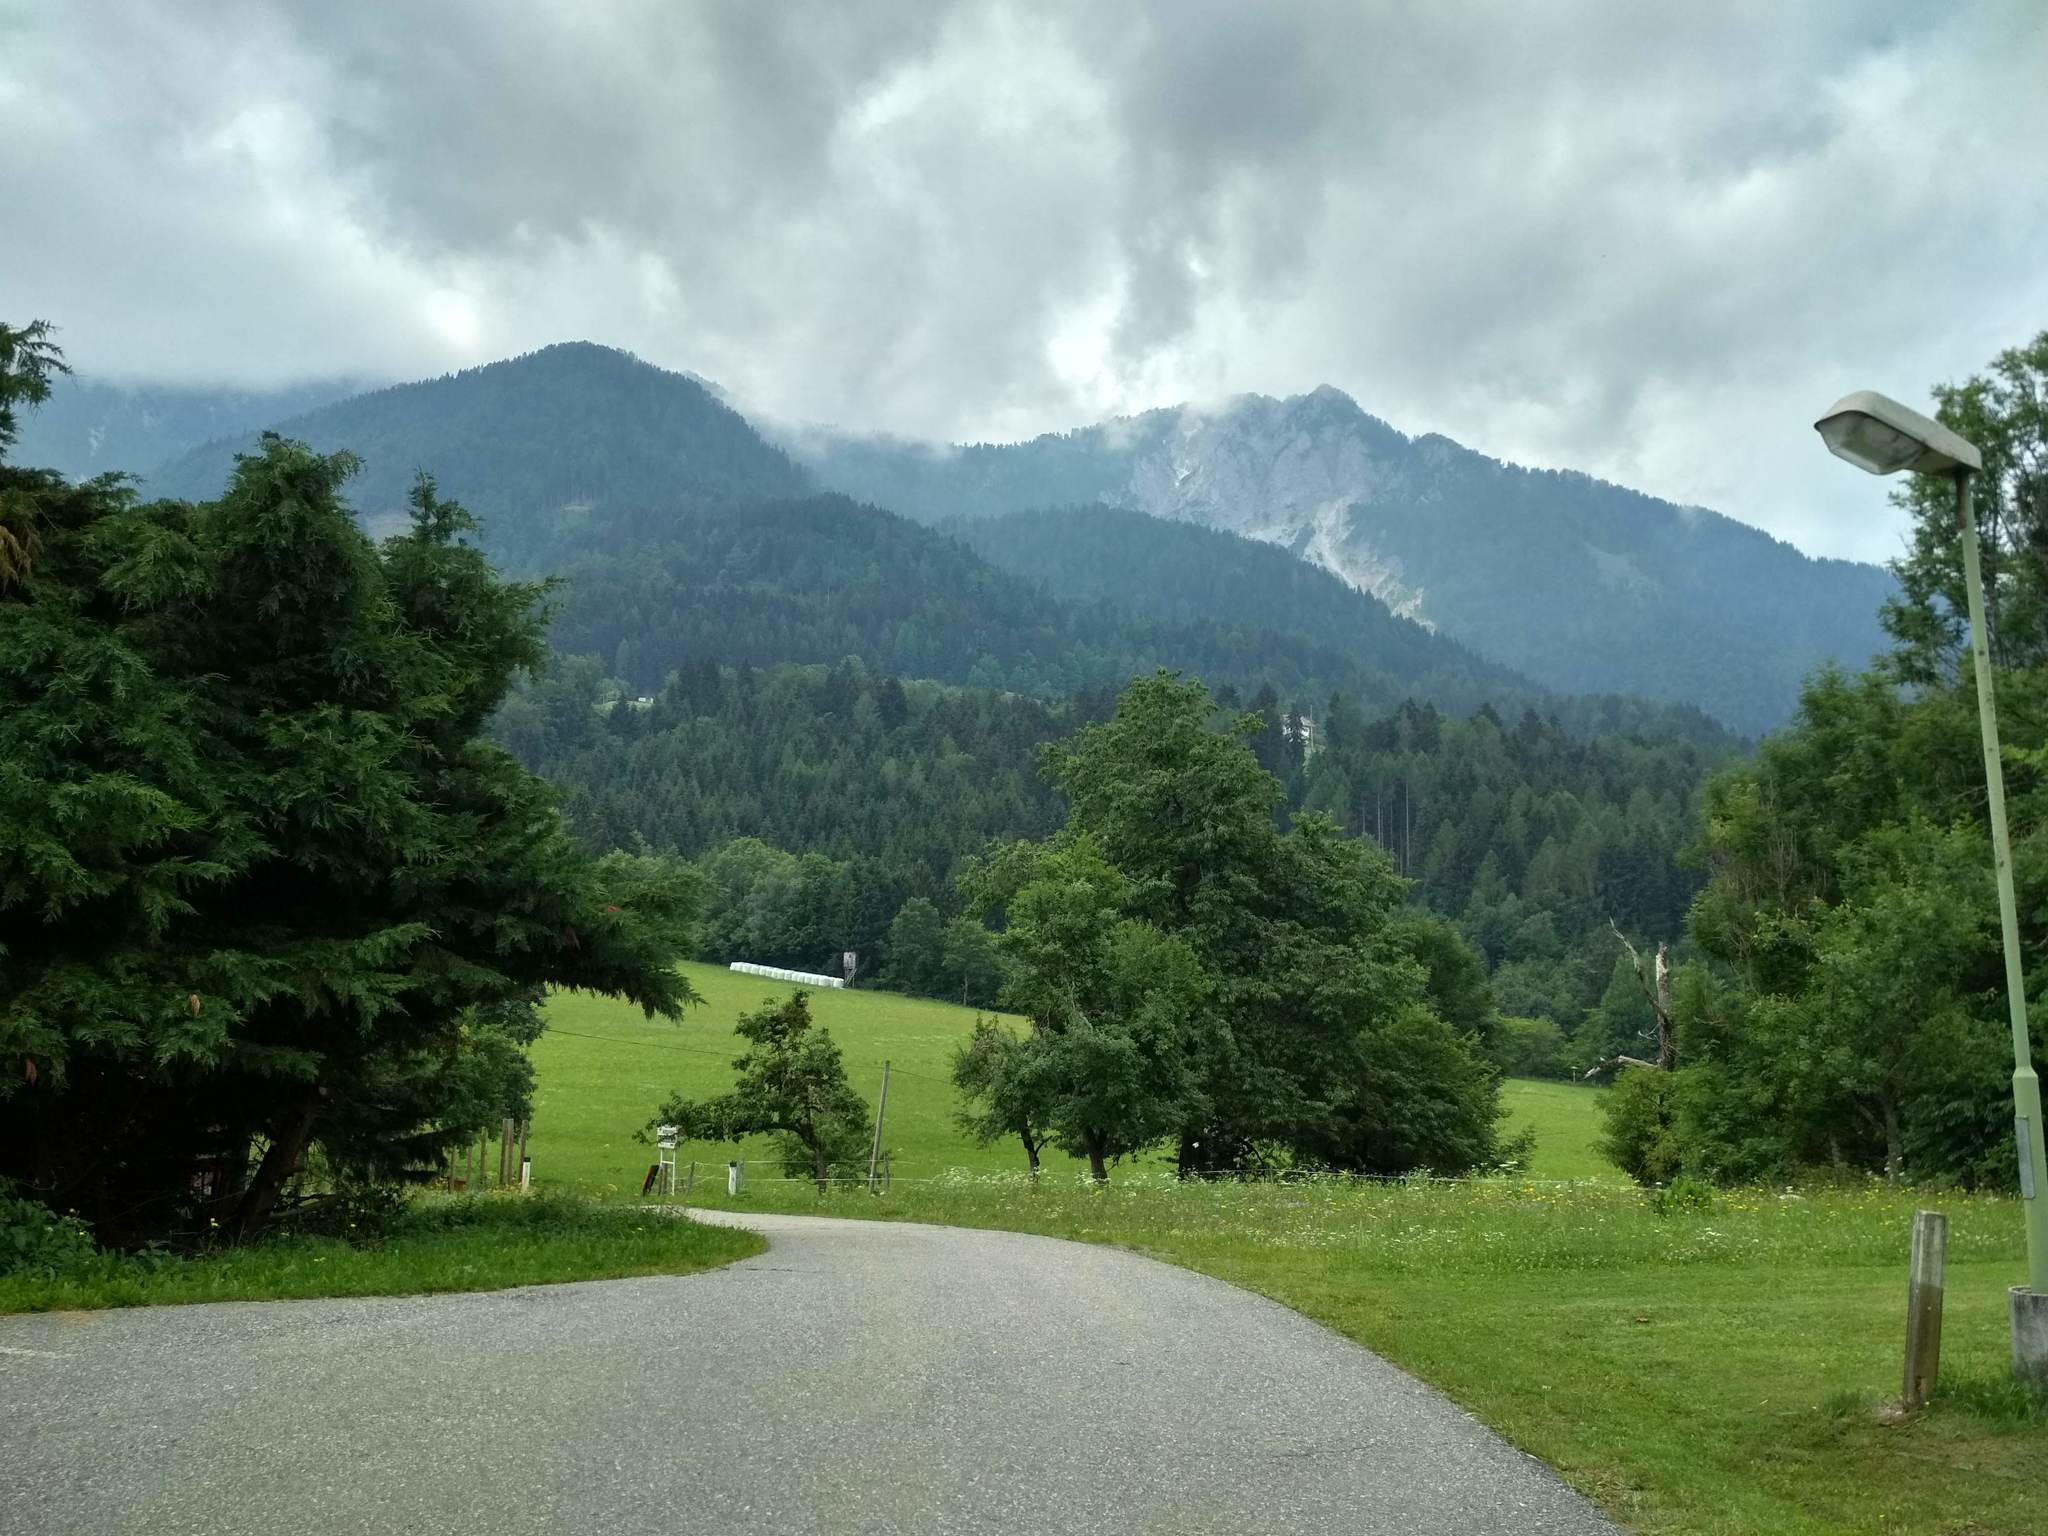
[1884, 437]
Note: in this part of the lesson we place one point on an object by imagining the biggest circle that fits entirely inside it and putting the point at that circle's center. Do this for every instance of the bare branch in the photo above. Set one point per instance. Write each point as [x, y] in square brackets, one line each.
[1657, 996]
[1619, 1061]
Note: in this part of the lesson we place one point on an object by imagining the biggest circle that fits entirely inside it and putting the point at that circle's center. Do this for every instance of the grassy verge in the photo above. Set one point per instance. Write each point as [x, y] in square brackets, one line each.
[1715, 1372]
[436, 1245]
[1708, 1372]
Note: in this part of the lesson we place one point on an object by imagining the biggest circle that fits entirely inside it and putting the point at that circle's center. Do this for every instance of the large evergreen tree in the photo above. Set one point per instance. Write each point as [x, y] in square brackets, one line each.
[265, 896]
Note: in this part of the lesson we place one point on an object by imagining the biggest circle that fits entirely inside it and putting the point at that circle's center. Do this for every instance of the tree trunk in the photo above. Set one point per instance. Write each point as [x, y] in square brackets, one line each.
[1657, 993]
[1894, 1152]
[1189, 1145]
[818, 1167]
[1098, 1170]
[1667, 1037]
[279, 1159]
[1030, 1151]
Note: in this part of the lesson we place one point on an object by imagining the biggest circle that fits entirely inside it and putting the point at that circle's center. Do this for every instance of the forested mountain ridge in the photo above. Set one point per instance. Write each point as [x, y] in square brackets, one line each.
[1582, 585]
[682, 535]
[1186, 574]
[759, 581]
[528, 445]
[582, 457]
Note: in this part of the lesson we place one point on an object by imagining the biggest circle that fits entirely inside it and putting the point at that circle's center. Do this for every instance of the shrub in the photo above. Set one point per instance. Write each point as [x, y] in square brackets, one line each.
[1641, 1136]
[1684, 1193]
[37, 1240]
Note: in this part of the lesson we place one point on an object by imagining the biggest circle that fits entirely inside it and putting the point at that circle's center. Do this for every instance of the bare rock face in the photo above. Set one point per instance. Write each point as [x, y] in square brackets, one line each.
[1302, 472]
[1584, 586]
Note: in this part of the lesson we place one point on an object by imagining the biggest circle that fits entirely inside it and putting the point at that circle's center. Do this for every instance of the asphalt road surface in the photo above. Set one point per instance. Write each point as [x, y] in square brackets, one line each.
[860, 1377]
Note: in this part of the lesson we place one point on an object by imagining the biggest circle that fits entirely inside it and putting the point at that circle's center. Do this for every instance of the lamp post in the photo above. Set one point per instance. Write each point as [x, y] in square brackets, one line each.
[1884, 437]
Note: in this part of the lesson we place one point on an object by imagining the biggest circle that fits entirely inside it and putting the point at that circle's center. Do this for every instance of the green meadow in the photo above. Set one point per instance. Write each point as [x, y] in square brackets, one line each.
[604, 1068]
[1717, 1371]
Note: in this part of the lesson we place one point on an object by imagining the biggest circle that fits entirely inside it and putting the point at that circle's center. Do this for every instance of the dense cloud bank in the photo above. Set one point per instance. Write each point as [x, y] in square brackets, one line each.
[1645, 241]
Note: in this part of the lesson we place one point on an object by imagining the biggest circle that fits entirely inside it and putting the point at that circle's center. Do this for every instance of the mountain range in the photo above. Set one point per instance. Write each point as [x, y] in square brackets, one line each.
[1582, 585]
[1431, 567]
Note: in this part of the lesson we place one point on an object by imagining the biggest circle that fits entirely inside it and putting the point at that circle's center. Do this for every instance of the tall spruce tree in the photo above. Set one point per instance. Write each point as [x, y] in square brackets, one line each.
[263, 890]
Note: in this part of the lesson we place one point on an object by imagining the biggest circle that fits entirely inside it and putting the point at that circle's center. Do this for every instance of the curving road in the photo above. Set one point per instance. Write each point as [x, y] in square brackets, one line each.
[858, 1377]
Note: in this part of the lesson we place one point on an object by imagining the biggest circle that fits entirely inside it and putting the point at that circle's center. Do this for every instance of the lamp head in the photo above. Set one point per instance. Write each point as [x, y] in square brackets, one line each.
[1877, 433]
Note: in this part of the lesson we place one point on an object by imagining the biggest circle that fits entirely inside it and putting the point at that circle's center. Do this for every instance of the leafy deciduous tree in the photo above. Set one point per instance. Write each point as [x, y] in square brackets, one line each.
[792, 1083]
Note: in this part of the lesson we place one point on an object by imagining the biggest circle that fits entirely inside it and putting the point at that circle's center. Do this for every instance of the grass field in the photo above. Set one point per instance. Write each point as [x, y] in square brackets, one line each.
[603, 1069]
[1708, 1372]
[1562, 1116]
[436, 1245]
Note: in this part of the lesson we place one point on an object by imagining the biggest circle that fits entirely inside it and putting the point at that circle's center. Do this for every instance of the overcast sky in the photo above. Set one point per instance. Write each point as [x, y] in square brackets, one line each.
[1649, 241]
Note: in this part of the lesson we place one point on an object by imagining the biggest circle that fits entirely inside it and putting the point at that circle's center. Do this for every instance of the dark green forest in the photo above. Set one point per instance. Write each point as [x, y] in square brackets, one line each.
[756, 581]
[529, 440]
[1530, 838]
[862, 733]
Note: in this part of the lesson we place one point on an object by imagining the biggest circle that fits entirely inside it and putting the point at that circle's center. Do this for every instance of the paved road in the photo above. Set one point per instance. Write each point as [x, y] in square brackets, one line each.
[857, 1377]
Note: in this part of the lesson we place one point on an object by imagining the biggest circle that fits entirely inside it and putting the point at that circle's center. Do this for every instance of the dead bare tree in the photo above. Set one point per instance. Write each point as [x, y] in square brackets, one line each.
[1656, 990]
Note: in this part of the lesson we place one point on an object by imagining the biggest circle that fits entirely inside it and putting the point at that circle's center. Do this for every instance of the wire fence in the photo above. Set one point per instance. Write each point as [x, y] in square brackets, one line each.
[709, 1177]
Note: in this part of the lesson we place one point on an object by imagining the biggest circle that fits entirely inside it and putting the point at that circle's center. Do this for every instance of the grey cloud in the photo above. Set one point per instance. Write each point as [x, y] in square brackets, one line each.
[1647, 241]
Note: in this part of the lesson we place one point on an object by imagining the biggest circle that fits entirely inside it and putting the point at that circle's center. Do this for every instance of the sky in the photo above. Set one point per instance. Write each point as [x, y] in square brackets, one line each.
[1651, 242]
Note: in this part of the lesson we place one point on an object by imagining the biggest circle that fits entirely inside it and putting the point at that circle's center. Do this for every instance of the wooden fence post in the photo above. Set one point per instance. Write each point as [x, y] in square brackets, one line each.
[875, 1148]
[1923, 1306]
